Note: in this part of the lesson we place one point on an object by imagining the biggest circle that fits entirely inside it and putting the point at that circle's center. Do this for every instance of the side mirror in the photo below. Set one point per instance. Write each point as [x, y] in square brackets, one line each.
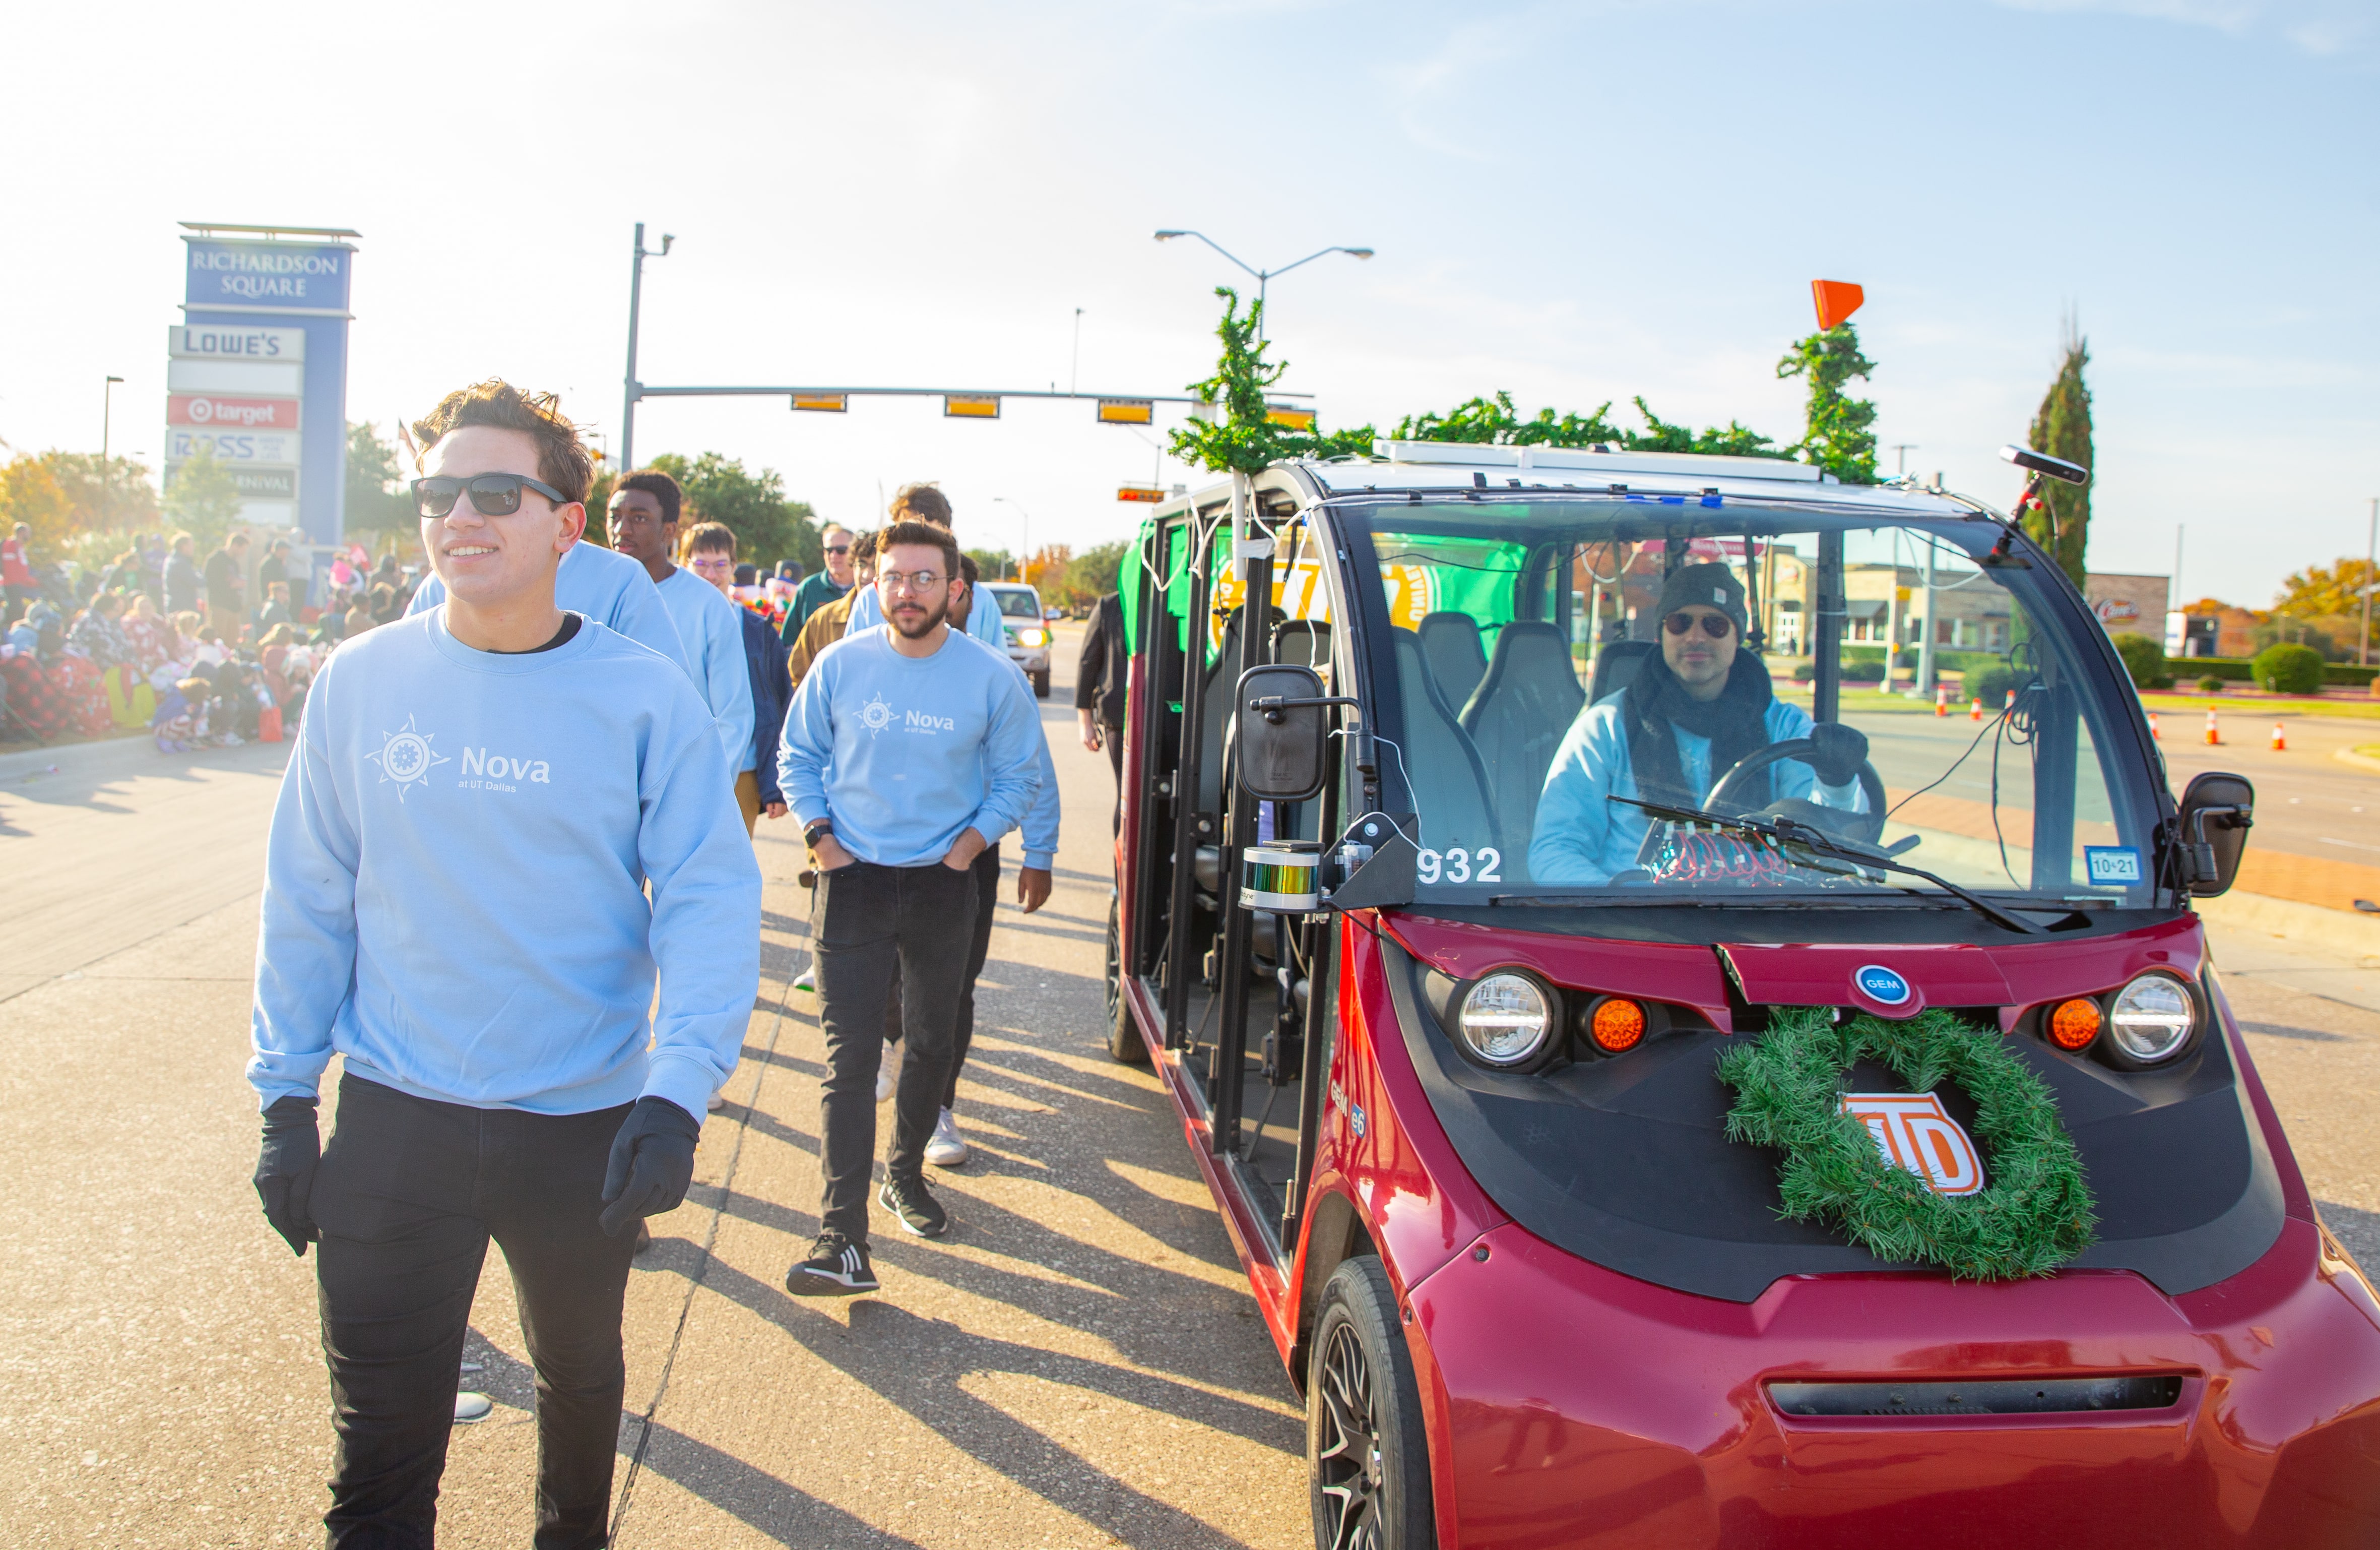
[1283, 732]
[2218, 810]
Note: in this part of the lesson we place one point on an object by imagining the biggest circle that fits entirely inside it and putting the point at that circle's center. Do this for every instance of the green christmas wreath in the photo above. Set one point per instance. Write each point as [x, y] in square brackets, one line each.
[2032, 1216]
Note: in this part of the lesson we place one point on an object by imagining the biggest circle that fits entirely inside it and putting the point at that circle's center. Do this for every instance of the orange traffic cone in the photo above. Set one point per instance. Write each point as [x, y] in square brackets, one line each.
[2280, 739]
[2009, 704]
[1974, 710]
[2214, 733]
[1941, 699]
[2155, 736]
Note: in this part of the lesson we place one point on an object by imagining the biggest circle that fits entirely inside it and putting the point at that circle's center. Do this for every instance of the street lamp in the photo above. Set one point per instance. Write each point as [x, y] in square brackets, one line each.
[636, 388]
[106, 411]
[1023, 534]
[1262, 275]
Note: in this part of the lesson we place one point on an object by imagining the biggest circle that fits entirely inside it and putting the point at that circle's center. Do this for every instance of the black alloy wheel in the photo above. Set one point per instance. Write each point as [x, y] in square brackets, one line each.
[1366, 1454]
[1125, 1042]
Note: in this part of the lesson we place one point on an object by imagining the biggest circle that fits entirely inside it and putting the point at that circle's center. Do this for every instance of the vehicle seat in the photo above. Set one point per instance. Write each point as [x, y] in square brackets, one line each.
[1517, 718]
[1304, 643]
[1449, 786]
[1217, 715]
[1450, 643]
[1616, 665]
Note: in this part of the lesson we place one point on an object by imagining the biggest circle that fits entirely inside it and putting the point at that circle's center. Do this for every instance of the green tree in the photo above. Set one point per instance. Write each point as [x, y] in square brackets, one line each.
[992, 564]
[30, 493]
[202, 497]
[2061, 427]
[377, 501]
[1495, 421]
[108, 497]
[2333, 593]
[1093, 574]
[767, 526]
[1839, 431]
[1241, 438]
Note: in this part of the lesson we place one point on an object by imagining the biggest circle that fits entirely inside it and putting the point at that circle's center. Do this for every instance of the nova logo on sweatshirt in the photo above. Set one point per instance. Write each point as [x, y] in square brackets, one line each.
[494, 772]
[407, 758]
[879, 714]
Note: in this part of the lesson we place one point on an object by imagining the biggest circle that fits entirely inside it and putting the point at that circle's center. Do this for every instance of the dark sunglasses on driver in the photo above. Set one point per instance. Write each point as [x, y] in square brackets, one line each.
[1719, 627]
[493, 494]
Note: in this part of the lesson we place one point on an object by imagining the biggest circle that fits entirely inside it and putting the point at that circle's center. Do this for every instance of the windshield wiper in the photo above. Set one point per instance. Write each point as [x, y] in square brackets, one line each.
[1787, 832]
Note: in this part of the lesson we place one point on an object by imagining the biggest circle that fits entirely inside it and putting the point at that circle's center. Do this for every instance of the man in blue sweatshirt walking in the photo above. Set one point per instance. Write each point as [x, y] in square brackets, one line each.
[910, 749]
[455, 901]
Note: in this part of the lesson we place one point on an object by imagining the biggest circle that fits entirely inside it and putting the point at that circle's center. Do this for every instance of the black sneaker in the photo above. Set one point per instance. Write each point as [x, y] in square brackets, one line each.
[909, 1200]
[837, 1267]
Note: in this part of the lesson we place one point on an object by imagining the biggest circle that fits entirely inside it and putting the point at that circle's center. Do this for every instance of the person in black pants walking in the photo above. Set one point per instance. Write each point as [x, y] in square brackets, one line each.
[1099, 682]
[457, 901]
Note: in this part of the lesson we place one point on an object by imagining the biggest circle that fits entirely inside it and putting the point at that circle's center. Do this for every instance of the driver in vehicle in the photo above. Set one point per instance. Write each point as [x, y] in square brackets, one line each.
[1694, 712]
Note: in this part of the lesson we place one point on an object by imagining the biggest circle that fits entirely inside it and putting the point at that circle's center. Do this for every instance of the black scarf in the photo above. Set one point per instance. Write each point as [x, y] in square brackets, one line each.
[1736, 723]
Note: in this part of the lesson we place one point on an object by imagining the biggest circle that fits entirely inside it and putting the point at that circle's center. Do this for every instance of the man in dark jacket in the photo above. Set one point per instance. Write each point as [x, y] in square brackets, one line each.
[1099, 683]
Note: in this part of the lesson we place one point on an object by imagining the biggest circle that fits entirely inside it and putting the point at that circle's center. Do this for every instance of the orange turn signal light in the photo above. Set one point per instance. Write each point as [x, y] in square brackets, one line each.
[1616, 1025]
[2074, 1023]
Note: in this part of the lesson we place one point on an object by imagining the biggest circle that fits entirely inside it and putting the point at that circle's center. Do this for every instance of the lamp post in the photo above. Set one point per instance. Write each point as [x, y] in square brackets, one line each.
[106, 413]
[1262, 275]
[2370, 551]
[636, 388]
[1023, 534]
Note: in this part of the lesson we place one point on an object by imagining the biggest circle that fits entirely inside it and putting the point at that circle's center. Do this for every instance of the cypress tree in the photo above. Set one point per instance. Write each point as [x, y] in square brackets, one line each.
[1840, 431]
[2061, 427]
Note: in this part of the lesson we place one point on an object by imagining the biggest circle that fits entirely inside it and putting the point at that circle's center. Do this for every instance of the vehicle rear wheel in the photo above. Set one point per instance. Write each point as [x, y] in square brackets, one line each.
[1041, 684]
[1367, 1455]
[1125, 1042]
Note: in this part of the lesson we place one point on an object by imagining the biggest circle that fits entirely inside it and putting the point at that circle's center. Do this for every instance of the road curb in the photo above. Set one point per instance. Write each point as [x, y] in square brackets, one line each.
[2360, 761]
[2357, 937]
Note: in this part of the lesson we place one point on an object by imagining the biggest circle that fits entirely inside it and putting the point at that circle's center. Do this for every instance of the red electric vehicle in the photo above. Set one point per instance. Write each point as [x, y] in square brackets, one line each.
[1438, 1001]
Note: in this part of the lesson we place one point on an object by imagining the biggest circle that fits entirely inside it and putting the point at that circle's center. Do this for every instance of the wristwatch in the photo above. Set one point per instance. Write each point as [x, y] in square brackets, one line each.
[814, 829]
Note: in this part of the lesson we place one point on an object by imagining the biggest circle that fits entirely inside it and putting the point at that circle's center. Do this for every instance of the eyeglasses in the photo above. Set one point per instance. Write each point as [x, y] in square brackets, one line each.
[838, 548]
[909, 581]
[493, 494]
[711, 562]
[1719, 627]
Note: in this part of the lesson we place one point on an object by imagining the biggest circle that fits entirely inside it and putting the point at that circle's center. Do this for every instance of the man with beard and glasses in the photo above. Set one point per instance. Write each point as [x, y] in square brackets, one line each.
[909, 751]
[1693, 713]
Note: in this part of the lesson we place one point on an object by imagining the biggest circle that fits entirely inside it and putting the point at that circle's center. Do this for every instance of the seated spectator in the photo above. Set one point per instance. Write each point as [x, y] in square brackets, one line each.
[276, 610]
[187, 625]
[385, 608]
[181, 718]
[97, 635]
[358, 619]
[147, 632]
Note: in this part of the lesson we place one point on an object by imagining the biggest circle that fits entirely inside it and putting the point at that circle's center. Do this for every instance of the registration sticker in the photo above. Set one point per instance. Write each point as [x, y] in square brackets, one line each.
[2111, 865]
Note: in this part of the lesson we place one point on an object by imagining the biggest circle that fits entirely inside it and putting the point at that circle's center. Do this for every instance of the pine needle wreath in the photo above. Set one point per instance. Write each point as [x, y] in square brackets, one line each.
[2032, 1216]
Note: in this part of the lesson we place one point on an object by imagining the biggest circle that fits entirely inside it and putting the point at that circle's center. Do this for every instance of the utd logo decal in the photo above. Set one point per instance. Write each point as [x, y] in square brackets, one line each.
[1913, 1131]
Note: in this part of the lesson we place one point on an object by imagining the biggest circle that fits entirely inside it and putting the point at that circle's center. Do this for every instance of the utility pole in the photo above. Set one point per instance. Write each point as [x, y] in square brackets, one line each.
[636, 388]
[106, 413]
[2370, 550]
[1901, 449]
[1074, 371]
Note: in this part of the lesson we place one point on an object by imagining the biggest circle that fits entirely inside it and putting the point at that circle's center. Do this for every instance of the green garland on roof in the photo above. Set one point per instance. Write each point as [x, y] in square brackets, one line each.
[2034, 1212]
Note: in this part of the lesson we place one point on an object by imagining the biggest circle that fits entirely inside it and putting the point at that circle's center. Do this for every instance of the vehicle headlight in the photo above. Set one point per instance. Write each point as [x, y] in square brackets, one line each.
[1032, 637]
[1505, 1018]
[2152, 1018]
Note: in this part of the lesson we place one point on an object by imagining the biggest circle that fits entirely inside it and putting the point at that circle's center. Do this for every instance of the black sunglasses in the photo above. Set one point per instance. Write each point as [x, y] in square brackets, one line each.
[493, 494]
[838, 548]
[1717, 626]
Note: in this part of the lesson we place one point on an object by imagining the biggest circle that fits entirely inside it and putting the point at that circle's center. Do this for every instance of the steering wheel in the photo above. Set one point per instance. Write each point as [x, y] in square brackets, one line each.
[1731, 798]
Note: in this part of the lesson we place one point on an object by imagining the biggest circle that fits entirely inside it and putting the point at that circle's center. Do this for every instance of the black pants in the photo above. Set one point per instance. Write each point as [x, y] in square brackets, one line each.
[408, 1194]
[871, 926]
[986, 911]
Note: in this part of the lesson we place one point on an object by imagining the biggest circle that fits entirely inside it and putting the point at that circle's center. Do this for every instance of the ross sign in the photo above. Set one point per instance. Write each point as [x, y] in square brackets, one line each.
[824, 403]
[1127, 411]
[235, 343]
[1289, 417]
[252, 414]
[231, 447]
[1913, 1131]
[1140, 493]
[257, 378]
[970, 405]
[280, 275]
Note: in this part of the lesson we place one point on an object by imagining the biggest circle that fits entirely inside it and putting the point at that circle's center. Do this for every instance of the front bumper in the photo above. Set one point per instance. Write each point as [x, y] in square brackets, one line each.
[1572, 1405]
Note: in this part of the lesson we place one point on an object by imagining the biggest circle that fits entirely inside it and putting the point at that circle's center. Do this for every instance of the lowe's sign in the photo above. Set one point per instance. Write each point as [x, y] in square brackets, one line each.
[258, 374]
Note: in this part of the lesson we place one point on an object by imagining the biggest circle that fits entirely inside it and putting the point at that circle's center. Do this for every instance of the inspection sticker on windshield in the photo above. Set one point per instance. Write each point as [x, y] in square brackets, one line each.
[2111, 865]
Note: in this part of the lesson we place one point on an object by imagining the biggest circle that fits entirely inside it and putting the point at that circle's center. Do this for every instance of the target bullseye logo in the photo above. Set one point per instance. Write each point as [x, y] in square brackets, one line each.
[201, 411]
[406, 757]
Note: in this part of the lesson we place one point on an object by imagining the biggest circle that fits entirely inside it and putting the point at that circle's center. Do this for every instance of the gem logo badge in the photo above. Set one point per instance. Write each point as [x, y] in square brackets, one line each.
[1913, 1131]
[1881, 985]
[406, 757]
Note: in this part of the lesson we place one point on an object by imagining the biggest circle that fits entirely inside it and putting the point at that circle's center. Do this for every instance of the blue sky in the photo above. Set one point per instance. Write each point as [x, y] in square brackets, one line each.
[1573, 201]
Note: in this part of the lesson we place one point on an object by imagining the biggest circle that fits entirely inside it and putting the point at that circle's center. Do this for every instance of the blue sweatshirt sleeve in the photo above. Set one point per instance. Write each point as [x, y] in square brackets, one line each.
[727, 683]
[705, 934]
[985, 624]
[306, 938]
[1040, 825]
[1571, 840]
[1013, 752]
[866, 609]
[808, 744]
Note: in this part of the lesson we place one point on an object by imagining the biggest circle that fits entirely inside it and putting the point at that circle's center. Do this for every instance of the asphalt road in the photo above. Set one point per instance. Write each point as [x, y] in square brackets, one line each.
[1078, 1364]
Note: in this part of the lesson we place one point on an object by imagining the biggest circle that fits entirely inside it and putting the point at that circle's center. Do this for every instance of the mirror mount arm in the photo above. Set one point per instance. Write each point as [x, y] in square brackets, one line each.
[1272, 705]
[2201, 850]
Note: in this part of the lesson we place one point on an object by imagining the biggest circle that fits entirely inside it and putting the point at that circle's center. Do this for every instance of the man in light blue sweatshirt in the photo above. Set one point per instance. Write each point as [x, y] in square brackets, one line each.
[909, 751]
[609, 587]
[456, 902]
[643, 518]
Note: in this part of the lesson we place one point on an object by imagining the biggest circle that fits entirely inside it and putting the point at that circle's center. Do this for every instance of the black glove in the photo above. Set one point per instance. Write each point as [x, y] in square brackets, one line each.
[652, 1162]
[1837, 752]
[284, 1170]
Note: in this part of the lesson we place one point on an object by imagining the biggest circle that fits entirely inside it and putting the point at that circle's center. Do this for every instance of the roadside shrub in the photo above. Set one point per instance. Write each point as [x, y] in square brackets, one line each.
[2287, 669]
[2210, 685]
[1862, 672]
[1991, 686]
[2143, 658]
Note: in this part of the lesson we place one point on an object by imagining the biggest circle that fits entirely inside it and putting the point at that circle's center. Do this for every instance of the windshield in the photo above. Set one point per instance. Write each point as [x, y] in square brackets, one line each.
[1018, 603]
[1578, 689]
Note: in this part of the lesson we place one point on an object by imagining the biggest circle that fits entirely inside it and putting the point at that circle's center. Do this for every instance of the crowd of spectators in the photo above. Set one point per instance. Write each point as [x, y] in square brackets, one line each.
[202, 653]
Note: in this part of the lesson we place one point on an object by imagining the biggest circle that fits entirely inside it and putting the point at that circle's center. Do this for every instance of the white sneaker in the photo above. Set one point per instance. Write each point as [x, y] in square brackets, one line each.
[808, 980]
[945, 1150]
[716, 1103]
[886, 1079]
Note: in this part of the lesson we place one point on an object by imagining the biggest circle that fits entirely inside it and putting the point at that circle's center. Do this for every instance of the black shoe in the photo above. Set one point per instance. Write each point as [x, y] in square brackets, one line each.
[915, 1204]
[837, 1267]
[644, 1240]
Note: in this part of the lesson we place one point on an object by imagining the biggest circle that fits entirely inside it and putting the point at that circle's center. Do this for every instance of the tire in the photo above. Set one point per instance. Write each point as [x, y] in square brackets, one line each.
[1366, 1454]
[1125, 1042]
[1041, 684]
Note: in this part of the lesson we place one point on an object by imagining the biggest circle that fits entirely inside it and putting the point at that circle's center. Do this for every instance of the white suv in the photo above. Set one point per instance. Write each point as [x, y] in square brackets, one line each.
[1028, 630]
